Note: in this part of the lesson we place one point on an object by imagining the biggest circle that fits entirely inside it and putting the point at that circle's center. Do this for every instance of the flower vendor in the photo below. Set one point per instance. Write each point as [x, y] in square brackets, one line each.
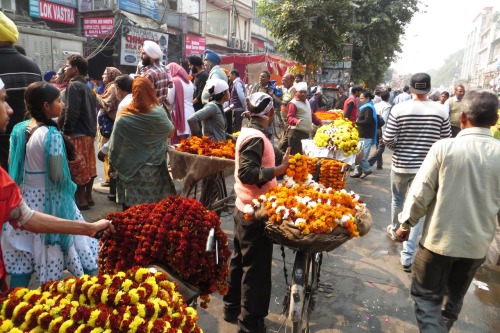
[258, 163]
[300, 118]
[212, 117]
[137, 149]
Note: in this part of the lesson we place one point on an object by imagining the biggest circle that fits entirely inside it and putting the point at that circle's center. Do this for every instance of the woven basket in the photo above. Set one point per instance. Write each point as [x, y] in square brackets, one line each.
[290, 236]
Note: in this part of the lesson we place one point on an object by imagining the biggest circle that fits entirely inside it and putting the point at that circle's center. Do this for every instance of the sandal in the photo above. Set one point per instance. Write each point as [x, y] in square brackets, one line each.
[85, 207]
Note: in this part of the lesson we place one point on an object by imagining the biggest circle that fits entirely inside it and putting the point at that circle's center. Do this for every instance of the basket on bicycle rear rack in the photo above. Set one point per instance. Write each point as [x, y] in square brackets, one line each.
[290, 236]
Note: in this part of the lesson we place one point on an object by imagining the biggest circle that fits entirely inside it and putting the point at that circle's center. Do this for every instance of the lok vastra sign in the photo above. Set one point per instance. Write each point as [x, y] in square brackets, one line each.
[51, 11]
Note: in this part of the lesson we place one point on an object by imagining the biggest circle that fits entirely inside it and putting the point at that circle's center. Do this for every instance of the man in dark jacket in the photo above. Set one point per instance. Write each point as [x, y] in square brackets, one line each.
[80, 124]
[200, 79]
[17, 72]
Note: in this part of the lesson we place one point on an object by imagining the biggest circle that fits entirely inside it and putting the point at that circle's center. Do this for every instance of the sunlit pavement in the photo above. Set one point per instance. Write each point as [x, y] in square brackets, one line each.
[363, 286]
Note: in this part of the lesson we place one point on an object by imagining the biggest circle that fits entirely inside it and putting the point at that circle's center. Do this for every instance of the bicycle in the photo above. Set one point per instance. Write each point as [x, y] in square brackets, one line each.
[213, 194]
[278, 125]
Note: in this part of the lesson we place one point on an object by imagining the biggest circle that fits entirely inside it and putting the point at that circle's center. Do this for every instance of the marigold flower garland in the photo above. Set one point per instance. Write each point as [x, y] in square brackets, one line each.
[329, 115]
[332, 174]
[139, 300]
[205, 146]
[174, 233]
[339, 135]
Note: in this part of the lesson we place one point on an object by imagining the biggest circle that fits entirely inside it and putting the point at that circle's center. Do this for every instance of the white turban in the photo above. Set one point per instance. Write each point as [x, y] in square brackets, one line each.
[301, 86]
[256, 99]
[152, 49]
[1, 84]
[318, 90]
[218, 84]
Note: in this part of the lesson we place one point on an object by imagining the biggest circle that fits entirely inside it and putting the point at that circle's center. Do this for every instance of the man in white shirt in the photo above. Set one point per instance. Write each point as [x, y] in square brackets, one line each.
[456, 189]
[403, 97]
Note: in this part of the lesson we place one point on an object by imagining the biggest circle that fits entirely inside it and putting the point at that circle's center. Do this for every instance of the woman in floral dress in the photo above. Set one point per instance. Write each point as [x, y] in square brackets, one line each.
[39, 165]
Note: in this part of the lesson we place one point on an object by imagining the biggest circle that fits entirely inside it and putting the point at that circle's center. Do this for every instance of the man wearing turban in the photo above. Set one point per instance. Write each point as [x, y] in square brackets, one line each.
[17, 72]
[154, 71]
[212, 61]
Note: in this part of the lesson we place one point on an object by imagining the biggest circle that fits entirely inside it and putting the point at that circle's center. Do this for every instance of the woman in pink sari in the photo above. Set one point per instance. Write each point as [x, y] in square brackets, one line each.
[180, 97]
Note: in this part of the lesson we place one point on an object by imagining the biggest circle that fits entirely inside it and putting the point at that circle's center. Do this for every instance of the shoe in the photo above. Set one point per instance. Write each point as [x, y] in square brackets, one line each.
[105, 184]
[356, 175]
[366, 174]
[91, 202]
[112, 197]
[380, 168]
[391, 233]
[407, 268]
[84, 207]
[231, 315]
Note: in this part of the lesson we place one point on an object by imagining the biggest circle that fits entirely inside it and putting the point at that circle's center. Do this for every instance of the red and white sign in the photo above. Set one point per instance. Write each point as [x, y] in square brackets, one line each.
[194, 45]
[98, 27]
[54, 12]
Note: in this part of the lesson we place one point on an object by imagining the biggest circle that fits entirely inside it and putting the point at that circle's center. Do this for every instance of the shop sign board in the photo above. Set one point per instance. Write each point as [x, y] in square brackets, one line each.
[147, 8]
[194, 45]
[52, 12]
[132, 40]
[98, 27]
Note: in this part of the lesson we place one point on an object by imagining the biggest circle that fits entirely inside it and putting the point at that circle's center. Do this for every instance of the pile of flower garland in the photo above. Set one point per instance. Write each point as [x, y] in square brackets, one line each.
[139, 300]
[206, 147]
[299, 166]
[329, 115]
[174, 233]
[339, 135]
[332, 174]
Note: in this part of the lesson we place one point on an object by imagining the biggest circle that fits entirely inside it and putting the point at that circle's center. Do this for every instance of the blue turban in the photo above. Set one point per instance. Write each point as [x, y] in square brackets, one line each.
[212, 56]
[48, 75]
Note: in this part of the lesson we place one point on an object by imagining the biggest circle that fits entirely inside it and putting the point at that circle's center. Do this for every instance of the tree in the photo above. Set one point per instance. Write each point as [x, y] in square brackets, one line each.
[378, 26]
[309, 31]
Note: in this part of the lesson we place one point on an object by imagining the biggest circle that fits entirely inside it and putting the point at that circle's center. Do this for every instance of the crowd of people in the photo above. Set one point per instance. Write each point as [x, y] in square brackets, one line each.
[52, 164]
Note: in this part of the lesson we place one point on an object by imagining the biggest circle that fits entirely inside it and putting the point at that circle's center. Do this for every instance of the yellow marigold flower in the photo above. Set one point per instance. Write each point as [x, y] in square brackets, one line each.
[139, 274]
[134, 325]
[7, 325]
[53, 322]
[127, 284]
[93, 317]
[65, 326]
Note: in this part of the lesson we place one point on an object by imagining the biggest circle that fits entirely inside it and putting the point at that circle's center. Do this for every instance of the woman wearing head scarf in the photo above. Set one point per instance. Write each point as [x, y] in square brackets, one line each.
[258, 163]
[108, 103]
[180, 96]
[138, 148]
[212, 118]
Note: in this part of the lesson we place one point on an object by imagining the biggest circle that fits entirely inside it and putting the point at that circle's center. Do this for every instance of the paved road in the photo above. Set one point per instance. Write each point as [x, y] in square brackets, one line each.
[363, 287]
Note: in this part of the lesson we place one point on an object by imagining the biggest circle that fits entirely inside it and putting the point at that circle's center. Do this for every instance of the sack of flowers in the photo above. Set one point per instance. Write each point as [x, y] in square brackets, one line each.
[138, 300]
[172, 233]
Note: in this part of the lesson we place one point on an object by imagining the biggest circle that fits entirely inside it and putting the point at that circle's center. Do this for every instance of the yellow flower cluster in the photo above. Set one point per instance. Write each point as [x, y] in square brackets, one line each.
[139, 300]
[339, 135]
[333, 174]
[299, 166]
[329, 115]
[313, 209]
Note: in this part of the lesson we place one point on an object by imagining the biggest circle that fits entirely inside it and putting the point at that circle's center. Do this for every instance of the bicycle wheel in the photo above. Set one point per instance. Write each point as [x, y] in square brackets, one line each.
[298, 293]
[212, 190]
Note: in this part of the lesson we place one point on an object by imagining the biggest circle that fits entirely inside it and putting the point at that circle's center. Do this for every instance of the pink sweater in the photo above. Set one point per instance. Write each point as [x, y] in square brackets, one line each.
[244, 192]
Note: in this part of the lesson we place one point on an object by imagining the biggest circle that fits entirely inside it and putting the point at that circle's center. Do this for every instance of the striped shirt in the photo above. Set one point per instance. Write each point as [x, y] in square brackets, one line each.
[412, 128]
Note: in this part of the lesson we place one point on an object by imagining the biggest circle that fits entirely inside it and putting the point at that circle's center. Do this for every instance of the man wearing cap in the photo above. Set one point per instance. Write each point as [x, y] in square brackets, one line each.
[153, 70]
[16, 72]
[200, 79]
[411, 129]
[50, 77]
[300, 118]
[212, 61]
[315, 100]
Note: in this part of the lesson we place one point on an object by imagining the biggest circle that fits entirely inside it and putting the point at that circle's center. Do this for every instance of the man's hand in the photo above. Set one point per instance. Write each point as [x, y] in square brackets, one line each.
[402, 235]
[101, 156]
[102, 225]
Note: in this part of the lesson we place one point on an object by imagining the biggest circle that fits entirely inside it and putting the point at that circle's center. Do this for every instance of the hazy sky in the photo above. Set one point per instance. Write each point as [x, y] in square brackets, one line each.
[432, 36]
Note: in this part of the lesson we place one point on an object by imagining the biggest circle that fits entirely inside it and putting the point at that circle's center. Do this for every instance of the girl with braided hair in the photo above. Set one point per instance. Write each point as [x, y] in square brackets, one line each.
[39, 165]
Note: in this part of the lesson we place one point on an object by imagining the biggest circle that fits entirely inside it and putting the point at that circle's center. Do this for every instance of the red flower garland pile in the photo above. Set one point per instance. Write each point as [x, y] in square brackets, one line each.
[174, 233]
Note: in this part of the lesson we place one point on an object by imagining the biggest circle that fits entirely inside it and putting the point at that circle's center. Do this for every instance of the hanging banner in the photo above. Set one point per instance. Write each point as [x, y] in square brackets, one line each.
[101, 27]
[194, 45]
[147, 8]
[132, 40]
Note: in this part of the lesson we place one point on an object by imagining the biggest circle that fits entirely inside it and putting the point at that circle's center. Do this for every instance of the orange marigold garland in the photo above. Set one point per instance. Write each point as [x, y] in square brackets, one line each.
[329, 115]
[139, 300]
[332, 174]
[205, 146]
[174, 233]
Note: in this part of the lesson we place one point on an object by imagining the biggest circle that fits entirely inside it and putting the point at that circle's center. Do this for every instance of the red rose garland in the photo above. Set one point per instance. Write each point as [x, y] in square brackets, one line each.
[173, 233]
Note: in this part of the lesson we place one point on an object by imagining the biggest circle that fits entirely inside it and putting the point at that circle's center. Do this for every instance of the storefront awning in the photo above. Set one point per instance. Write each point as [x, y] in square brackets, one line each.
[141, 21]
